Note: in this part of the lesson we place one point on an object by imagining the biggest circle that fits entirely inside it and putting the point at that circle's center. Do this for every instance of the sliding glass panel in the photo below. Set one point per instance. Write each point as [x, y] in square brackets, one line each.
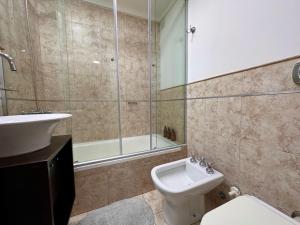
[17, 87]
[34, 33]
[48, 38]
[93, 80]
[2, 92]
[134, 78]
[67, 61]
[168, 73]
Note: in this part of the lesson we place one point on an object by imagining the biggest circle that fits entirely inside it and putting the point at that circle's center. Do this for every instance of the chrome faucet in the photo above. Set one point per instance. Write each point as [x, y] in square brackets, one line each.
[193, 158]
[202, 162]
[10, 60]
[209, 168]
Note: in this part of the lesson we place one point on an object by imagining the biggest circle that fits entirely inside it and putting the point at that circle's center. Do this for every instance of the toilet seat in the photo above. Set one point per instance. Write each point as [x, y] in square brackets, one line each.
[246, 210]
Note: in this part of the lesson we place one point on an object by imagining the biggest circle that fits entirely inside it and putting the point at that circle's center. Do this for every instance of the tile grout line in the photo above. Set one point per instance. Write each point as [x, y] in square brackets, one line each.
[239, 145]
[246, 95]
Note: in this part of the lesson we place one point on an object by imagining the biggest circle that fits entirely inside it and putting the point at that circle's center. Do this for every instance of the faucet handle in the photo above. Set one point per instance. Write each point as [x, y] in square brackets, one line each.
[202, 162]
[209, 168]
[193, 158]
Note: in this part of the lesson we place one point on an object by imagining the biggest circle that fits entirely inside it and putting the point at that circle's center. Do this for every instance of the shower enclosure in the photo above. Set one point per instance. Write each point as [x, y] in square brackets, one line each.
[118, 66]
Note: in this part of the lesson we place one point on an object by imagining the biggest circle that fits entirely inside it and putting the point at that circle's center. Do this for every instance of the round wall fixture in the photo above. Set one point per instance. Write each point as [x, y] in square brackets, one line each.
[296, 73]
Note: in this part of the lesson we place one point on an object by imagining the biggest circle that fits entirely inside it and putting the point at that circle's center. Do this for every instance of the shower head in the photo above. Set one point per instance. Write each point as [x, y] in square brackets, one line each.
[10, 61]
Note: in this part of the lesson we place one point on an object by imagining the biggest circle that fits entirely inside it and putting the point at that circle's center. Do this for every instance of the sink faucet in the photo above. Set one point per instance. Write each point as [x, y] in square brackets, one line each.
[9, 59]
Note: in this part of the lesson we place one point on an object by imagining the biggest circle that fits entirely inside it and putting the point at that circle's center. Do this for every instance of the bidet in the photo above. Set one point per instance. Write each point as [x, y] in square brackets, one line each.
[183, 184]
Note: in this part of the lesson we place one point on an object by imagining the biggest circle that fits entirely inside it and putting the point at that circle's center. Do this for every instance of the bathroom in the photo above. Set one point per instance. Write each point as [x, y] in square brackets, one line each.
[140, 84]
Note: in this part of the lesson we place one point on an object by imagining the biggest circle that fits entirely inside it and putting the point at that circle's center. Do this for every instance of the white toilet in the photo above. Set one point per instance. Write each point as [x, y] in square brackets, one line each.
[183, 185]
[246, 210]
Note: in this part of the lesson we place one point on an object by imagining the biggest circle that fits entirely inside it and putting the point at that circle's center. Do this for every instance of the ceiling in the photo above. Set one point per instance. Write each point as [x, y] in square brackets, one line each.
[138, 7]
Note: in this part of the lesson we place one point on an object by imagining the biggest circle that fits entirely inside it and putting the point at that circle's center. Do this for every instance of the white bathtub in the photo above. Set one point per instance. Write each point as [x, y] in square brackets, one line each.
[90, 151]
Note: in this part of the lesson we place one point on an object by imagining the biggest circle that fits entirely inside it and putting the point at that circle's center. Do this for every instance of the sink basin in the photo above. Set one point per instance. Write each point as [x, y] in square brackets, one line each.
[27, 133]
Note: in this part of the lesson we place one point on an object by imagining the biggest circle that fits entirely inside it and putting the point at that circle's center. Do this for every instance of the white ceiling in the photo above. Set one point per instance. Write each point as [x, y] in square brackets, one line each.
[138, 7]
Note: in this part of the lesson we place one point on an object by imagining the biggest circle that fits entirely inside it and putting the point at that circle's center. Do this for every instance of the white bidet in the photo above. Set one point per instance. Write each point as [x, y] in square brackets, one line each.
[184, 184]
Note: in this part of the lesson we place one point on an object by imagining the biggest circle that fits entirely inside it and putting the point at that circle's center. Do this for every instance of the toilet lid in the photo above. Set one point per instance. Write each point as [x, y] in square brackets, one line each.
[246, 210]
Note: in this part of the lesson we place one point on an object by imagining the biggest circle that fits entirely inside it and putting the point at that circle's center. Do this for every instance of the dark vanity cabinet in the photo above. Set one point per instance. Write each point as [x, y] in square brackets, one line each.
[38, 188]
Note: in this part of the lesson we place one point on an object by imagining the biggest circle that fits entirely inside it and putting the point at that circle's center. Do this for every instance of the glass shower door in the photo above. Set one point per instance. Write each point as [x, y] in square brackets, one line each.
[168, 73]
[134, 76]
[20, 93]
[117, 66]
[94, 99]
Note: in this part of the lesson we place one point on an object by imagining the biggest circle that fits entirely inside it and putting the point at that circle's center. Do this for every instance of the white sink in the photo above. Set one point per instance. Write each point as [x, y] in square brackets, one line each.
[27, 133]
[183, 184]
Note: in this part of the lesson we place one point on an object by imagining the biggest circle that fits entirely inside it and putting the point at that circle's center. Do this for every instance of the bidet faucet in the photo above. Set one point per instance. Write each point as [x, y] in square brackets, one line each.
[209, 168]
[193, 158]
[9, 59]
[202, 162]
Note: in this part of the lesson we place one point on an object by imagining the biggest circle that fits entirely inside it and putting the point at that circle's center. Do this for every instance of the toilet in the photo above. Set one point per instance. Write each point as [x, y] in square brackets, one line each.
[183, 183]
[246, 210]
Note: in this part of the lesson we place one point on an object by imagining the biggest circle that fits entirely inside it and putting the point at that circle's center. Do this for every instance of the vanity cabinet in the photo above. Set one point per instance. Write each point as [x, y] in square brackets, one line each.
[38, 188]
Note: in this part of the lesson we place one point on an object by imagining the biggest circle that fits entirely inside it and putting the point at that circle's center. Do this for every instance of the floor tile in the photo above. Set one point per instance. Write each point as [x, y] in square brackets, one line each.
[75, 219]
[159, 219]
[155, 200]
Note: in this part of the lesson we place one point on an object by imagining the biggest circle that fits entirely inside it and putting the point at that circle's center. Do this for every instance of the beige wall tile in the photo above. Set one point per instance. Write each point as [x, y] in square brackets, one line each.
[231, 84]
[272, 121]
[1, 109]
[270, 136]
[172, 93]
[135, 118]
[54, 87]
[125, 172]
[228, 138]
[84, 88]
[214, 132]
[103, 185]
[89, 13]
[196, 126]
[211, 128]
[91, 191]
[22, 80]
[208, 89]
[275, 77]
[16, 107]
[90, 121]
[253, 140]
[64, 127]
[172, 115]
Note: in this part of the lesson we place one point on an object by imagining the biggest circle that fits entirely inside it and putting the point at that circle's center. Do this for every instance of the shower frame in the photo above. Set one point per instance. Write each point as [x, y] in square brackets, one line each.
[2, 90]
[149, 71]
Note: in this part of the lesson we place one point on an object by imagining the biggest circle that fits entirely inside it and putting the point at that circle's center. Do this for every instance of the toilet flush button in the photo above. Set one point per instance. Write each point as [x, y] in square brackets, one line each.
[296, 73]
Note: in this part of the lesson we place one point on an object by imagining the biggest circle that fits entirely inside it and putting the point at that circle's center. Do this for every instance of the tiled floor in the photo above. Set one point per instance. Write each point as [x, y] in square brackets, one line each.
[154, 199]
